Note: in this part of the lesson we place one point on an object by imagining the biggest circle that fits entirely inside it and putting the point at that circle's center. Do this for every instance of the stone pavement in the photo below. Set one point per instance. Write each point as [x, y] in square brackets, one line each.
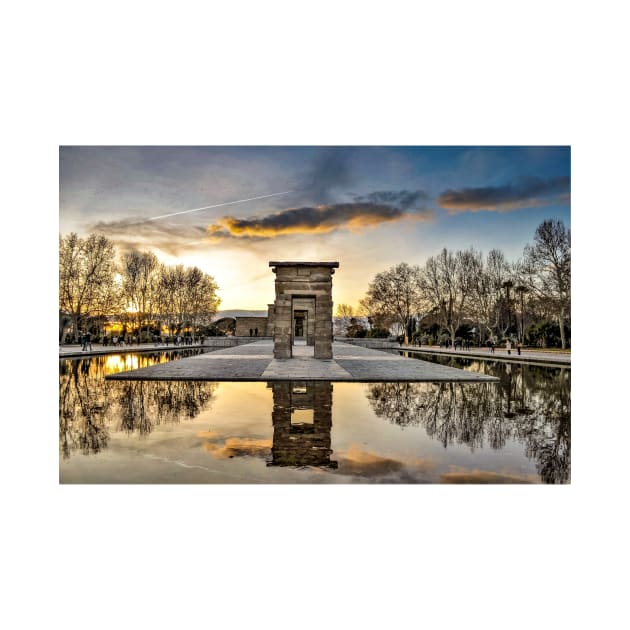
[255, 362]
[526, 356]
[74, 350]
[210, 343]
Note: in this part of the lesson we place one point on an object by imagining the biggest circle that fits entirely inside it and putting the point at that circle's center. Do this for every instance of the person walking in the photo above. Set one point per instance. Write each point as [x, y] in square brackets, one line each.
[491, 347]
[519, 346]
[83, 340]
[88, 341]
[508, 346]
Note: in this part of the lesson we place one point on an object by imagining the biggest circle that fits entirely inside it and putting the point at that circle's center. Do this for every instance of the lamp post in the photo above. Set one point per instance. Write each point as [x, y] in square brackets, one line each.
[446, 318]
[521, 290]
[507, 285]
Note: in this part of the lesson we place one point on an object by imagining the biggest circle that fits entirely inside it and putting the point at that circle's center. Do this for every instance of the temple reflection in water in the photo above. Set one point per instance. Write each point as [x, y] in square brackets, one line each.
[302, 421]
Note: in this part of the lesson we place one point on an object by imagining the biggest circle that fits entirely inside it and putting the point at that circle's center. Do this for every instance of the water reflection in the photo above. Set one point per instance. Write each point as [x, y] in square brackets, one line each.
[518, 429]
[90, 407]
[302, 421]
[530, 405]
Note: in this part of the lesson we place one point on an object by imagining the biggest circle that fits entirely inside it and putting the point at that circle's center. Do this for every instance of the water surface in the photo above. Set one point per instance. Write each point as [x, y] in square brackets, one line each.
[514, 431]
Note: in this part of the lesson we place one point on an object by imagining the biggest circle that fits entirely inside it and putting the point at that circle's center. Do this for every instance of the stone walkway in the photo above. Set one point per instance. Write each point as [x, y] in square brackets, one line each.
[526, 356]
[255, 362]
[74, 350]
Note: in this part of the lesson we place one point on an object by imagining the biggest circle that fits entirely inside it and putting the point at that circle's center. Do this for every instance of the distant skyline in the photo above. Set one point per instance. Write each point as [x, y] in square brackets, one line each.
[367, 207]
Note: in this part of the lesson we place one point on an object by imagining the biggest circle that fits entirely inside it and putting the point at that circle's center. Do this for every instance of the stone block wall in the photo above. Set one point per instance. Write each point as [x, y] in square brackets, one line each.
[245, 324]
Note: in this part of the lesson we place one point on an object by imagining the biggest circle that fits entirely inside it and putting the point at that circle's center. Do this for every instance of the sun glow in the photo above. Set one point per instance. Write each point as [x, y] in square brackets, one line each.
[117, 363]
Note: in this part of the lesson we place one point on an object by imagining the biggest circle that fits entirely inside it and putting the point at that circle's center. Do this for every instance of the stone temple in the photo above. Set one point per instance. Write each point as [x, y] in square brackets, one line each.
[302, 310]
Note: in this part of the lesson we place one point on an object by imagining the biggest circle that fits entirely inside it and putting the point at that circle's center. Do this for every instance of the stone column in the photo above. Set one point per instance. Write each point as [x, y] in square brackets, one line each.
[283, 323]
[323, 327]
[310, 324]
[270, 320]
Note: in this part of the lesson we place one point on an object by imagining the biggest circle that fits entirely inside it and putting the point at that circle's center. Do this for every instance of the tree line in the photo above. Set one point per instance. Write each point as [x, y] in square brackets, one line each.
[466, 294]
[97, 283]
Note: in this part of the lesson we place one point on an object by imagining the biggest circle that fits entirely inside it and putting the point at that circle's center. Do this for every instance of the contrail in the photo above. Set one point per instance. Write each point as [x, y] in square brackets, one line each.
[217, 205]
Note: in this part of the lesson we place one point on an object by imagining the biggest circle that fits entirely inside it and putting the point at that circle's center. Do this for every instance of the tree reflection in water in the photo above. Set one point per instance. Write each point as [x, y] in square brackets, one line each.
[530, 404]
[90, 406]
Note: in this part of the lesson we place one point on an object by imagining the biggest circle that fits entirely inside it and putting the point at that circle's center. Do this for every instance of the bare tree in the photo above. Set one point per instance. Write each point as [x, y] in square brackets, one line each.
[138, 271]
[448, 283]
[165, 288]
[375, 318]
[344, 315]
[397, 292]
[546, 270]
[185, 296]
[86, 277]
[486, 296]
[201, 298]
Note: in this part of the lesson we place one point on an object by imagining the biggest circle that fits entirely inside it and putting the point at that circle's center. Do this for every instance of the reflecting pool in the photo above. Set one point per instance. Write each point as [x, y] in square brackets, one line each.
[515, 431]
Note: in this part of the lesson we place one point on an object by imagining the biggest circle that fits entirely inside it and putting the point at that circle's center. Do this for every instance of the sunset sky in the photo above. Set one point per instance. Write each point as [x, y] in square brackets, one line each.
[367, 207]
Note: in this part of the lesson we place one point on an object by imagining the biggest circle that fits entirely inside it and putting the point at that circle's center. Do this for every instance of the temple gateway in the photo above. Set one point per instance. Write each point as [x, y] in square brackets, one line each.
[302, 310]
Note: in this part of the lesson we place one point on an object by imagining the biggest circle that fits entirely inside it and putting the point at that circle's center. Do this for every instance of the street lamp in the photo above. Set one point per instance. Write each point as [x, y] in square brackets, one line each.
[521, 290]
[447, 319]
[507, 285]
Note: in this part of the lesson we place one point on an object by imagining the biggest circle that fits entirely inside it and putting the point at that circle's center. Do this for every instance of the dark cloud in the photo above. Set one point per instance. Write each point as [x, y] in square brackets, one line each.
[330, 172]
[173, 237]
[526, 192]
[401, 198]
[313, 220]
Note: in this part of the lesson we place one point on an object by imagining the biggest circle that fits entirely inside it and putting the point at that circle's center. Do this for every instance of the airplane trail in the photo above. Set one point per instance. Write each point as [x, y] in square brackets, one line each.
[217, 205]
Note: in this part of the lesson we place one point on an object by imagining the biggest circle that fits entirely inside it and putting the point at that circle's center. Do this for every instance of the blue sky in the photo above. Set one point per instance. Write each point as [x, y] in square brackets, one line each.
[367, 207]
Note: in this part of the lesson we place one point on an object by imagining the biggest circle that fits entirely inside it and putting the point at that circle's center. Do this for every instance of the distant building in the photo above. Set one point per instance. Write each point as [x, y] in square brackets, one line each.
[255, 326]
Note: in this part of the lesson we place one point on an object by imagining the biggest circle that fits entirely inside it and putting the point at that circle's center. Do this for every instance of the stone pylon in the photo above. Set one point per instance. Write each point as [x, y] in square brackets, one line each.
[303, 288]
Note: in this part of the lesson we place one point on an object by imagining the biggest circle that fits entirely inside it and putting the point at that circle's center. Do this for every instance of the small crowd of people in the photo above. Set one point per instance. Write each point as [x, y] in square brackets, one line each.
[508, 346]
[179, 340]
[117, 341]
[85, 339]
[462, 344]
[466, 344]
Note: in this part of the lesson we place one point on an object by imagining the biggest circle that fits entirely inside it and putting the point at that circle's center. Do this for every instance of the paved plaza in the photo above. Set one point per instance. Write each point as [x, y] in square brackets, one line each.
[255, 362]
[526, 356]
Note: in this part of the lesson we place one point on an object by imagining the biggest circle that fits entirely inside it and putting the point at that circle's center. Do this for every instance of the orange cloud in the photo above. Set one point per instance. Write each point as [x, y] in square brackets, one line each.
[239, 447]
[356, 461]
[318, 220]
[484, 477]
